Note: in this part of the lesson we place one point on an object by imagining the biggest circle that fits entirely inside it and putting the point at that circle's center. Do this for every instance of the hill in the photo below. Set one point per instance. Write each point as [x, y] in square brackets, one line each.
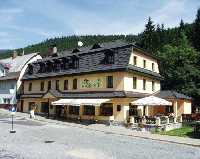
[69, 42]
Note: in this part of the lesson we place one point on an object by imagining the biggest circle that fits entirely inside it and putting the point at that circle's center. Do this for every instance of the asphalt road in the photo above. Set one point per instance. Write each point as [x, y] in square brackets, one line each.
[35, 140]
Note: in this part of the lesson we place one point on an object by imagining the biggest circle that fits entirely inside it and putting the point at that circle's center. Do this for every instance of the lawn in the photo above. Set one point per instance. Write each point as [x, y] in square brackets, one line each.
[185, 131]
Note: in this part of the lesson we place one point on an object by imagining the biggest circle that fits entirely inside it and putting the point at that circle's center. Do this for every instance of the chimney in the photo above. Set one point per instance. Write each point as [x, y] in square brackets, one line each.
[23, 52]
[52, 50]
[14, 55]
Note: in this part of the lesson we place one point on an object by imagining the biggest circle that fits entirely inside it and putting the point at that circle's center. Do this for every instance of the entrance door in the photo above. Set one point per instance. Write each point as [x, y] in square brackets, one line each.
[45, 108]
[22, 105]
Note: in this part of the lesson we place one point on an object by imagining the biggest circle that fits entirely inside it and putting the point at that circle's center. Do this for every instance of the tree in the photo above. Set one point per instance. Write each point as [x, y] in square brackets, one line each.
[148, 36]
[196, 31]
[179, 68]
[181, 26]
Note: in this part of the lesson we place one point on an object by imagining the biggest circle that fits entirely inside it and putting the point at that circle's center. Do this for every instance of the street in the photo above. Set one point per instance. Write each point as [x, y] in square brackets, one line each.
[38, 140]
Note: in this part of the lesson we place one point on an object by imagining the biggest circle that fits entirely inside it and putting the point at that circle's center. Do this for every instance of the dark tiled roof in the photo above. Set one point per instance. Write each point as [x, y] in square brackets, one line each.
[91, 94]
[170, 94]
[90, 61]
[10, 76]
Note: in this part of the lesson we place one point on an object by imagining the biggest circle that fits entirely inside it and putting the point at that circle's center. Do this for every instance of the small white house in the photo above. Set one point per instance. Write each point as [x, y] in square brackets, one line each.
[11, 71]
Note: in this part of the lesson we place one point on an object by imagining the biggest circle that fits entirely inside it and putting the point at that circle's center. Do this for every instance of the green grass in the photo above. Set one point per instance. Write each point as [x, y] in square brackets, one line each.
[185, 131]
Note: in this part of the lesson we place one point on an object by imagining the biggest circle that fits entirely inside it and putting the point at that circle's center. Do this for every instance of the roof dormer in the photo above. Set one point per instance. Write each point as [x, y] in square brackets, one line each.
[95, 46]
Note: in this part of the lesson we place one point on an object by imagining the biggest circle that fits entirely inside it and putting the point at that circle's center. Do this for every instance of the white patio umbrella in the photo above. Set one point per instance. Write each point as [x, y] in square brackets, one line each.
[151, 101]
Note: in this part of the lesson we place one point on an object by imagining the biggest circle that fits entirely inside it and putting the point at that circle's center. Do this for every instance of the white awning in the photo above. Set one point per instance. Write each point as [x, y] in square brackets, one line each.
[62, 102]
[151, 101]
[78, 102]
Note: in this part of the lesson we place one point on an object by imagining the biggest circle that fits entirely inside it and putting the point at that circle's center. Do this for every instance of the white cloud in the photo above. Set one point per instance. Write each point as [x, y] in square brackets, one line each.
[170, 13]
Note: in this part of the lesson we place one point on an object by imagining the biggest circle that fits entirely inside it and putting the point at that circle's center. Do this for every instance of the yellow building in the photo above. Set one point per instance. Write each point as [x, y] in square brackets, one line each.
[116, 72]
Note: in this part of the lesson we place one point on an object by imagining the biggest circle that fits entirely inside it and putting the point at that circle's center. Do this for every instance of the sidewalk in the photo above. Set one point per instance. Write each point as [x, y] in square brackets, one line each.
[117, 130]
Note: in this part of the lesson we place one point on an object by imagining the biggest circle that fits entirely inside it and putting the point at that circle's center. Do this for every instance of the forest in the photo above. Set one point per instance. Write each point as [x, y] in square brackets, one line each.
[178, 51]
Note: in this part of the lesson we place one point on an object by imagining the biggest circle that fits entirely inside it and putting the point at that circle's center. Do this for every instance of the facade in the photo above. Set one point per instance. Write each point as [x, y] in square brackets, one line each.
[116, 71]
[181, 103]
[11, 71]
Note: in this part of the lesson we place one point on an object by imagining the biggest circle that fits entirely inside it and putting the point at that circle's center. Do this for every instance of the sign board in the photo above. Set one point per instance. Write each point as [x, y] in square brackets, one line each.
[92, 83]
[13, 110]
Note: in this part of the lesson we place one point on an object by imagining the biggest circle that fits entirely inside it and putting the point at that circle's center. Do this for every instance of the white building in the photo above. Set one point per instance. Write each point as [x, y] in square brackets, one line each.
[11, 71]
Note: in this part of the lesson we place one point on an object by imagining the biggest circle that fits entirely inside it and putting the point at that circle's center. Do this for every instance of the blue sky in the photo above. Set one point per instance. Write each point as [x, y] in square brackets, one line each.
[25, 22]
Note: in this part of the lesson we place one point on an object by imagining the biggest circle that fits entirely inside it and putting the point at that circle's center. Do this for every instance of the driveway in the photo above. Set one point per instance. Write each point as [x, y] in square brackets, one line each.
[36, 140]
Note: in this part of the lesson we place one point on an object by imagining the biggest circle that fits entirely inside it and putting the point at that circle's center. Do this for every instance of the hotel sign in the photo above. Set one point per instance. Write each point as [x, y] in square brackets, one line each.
[96, 83]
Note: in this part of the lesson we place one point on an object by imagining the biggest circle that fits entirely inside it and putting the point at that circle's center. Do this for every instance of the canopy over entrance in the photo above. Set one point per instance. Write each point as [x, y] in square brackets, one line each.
[78, 102]
[151, 101]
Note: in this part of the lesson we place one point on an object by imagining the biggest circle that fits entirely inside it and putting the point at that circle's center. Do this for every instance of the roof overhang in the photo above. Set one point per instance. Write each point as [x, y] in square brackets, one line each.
[78, 102]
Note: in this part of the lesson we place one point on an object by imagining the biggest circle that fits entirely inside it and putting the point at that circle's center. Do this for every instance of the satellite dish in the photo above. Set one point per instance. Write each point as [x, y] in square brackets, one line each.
[80, 43]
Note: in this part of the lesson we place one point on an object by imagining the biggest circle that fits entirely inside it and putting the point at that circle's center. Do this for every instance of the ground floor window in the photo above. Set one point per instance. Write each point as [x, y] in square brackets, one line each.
[74, 110]
[89, 110]
[169, 109]
[106, 109]
[133, 110]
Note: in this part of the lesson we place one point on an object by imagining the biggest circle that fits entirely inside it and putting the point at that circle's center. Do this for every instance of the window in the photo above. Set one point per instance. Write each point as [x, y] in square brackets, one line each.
[144, 84]
[135, 60]
[8, 100]
[169, 109]
[133, 111]
[74, 110]
[144, 63]
[76, 63]
[42, 68]
[42, 86]
[49, 85]
[109, 57]
[30, 69]
[12, 86]
[88, 110]
[153, 86]
[30, 87]
[106, 109]
[65, 84]
[118, 108]
[134, 82]
[153, 67]
[57, 84]
[109, 81]
[75, 83]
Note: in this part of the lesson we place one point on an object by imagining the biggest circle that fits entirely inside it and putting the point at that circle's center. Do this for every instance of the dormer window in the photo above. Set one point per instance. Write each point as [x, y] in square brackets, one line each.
[57, 65]
[42, 67]
[49, 66]
[75, 50]
[109, 57]
[30, 69]
[64, 63]
[95, 46]
[74, 62]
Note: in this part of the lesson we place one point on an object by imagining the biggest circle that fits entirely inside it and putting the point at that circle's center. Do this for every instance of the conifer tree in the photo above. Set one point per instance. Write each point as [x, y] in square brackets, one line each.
[196, 31]
[147, 40]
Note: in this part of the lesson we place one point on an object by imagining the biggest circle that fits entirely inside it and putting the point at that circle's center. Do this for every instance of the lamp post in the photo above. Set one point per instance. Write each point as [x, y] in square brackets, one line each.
[13, 110]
